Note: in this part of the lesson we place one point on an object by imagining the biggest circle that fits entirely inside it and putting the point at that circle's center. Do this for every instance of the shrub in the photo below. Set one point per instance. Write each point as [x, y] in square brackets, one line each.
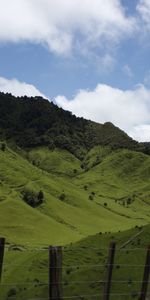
[85, 187]
[62, 196]
[33, 199]
[11, 293]
[129, 200]
[90, 197]
[105, 204]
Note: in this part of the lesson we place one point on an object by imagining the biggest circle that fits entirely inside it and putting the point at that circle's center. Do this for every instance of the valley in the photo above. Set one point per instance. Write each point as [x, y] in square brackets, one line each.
[79, 187]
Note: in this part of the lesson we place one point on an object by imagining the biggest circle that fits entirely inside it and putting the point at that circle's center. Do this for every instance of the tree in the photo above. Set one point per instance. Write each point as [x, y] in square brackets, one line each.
[33, 199]
[30, 198]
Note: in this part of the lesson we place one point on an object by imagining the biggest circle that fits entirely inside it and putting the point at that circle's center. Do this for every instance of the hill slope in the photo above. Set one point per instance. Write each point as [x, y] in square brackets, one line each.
[32, 122]
[76, 204]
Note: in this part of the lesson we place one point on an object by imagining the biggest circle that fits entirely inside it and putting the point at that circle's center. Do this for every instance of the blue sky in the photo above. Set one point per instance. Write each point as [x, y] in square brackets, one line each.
[88, 57]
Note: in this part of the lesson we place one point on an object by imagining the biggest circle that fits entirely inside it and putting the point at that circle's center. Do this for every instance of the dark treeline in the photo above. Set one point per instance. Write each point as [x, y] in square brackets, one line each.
[32, 122]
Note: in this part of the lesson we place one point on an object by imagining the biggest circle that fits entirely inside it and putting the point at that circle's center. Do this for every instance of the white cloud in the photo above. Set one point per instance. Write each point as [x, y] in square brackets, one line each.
[63, 24]
[130, 109]
[141, 133]
[143, 8]
[18, 88]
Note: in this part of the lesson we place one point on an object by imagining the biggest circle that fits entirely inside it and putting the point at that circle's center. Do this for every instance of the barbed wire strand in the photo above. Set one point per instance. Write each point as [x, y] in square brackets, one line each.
[46, 247]
[71, 282]
[78, 266]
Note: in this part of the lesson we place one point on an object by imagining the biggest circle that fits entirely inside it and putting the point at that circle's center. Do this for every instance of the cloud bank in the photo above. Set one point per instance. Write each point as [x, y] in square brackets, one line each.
[129, 109]
[18, 88]
[63, 25]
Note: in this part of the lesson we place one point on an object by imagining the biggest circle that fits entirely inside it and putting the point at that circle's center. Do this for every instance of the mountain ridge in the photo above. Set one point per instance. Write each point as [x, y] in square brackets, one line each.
[33, 122]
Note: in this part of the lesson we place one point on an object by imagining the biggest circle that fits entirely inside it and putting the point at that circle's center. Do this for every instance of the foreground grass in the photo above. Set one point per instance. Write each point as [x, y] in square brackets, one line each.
[25, 273]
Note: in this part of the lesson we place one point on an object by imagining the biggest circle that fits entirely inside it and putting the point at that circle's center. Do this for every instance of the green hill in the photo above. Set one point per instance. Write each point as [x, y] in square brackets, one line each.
[76, 203]
[67, 180]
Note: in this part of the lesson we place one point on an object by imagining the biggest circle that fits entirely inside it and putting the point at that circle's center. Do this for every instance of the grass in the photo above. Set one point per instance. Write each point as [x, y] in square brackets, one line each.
[26, 268]
[105, 199]
[90, 197]
[58, 161]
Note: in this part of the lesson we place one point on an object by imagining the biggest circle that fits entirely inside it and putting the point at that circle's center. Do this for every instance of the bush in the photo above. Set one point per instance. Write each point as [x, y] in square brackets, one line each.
[90, 197]
[62, 197]
[33, 199]
[11, 293]
[129, 201]
[105, 204]
[85, 187]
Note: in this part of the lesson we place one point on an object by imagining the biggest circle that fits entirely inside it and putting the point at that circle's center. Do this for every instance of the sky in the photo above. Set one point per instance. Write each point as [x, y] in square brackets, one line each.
[91, 57]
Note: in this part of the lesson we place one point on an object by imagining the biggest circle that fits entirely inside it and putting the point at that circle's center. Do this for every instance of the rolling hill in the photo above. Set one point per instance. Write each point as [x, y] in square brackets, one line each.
[77, 201]
[94, 186]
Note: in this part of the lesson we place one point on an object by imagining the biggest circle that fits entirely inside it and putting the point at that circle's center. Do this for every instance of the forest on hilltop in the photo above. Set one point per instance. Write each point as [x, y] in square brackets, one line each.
[33, 122]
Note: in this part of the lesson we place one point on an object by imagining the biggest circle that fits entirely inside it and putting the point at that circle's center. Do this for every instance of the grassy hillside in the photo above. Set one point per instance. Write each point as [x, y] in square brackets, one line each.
[76, 203]
[55, 162]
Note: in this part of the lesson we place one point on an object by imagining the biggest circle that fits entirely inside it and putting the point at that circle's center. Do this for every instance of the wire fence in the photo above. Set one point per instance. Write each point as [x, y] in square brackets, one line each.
[53, 267]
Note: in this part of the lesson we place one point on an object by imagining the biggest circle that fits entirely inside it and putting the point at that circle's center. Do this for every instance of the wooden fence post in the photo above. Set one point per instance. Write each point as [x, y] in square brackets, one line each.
[2, 247]
[110, 264]
[55, 273]
[145, 276]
